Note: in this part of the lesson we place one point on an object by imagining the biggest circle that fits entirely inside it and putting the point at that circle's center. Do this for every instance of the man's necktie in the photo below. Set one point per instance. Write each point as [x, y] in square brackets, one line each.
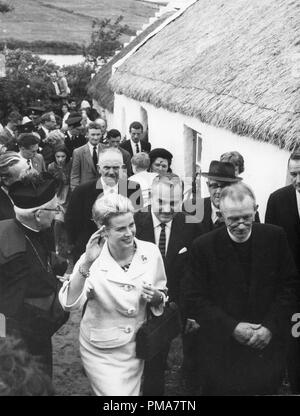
[137, 148]
[162, 239]
[95, 157]
[28, 163]
[218, 223]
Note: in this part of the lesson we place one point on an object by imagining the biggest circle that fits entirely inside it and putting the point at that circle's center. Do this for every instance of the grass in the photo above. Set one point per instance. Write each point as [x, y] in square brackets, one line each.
[68, 20]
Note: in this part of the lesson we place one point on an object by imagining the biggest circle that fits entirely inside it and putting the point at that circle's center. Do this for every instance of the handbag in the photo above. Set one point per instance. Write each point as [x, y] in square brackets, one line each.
[157, 332]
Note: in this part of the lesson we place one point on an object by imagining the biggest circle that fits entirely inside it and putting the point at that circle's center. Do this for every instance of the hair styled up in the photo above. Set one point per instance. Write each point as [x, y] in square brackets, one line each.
[109, 206]
[235, 158]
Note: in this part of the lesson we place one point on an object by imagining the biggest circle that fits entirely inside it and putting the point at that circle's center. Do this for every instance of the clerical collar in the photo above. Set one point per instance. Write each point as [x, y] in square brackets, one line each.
[29, 228]
[233, 238]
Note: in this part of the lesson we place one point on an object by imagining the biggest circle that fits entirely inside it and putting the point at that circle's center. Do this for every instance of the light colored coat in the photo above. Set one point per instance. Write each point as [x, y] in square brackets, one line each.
[83, 168]
[113, 316]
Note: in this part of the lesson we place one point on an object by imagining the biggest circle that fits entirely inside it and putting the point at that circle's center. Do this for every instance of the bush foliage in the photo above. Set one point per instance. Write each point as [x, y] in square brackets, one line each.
[26, 80]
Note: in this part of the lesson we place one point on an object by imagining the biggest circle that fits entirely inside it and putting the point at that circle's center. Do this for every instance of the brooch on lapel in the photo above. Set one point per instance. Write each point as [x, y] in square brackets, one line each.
[144, 258]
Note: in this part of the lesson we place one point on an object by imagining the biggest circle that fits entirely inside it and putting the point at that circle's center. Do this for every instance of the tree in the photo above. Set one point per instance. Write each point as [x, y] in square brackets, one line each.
[78, 77]
[26, 80]
[105, 39]
[5, 8]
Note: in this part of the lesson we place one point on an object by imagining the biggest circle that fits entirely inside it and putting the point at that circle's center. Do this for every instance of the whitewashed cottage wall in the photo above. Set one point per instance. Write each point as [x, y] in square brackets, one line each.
[265, 164]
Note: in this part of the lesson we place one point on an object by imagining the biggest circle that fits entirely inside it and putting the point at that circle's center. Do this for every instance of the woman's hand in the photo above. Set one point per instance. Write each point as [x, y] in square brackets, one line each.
[151, 295]
[94, 246]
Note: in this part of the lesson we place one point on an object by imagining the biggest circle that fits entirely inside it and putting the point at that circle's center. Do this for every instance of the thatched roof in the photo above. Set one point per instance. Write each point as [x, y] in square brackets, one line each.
[233, 64]
[99, 88]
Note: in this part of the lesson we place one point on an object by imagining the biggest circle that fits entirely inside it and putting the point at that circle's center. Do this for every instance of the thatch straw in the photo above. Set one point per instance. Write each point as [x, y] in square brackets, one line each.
[99, 87]
[233, 64]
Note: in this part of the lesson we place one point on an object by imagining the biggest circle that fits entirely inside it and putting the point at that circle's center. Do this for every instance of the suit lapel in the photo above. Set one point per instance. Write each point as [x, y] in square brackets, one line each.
[88, 157]
[207, 222]
[147, 227]
[175, 240]
[293, 205]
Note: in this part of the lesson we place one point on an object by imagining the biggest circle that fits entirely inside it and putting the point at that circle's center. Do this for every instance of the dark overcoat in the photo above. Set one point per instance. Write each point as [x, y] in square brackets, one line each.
[78, 218]
[218, 296]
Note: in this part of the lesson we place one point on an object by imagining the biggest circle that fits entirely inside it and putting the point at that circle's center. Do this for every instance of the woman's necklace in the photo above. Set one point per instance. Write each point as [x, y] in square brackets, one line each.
[128, 260]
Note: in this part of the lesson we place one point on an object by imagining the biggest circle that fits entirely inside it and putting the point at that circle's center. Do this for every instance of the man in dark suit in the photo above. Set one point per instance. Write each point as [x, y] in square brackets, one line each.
[166, 225]
[283, 209]
[78, 218]
[241, 288]
[220, 174]
[114, 139]
[75, 135]
[85, 158]
[135, 145]
[10, 130]
[12, 167]
[48, 124]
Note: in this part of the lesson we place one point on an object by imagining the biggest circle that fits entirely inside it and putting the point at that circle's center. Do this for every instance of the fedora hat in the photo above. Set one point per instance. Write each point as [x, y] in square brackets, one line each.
[221, 171]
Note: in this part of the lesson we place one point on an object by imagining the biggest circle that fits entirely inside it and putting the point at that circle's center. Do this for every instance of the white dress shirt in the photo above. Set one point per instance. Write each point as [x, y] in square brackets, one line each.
[29, 161]
[298, 201]
[214, 216]
[64, 119]
[157, 229]
[91, 147]
[133, 147]
[46, 131]
[109, 189]
[57, 91]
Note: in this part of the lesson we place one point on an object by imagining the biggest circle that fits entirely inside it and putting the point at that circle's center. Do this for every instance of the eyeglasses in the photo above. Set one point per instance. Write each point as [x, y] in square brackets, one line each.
[217, 185]
[58, 209]
[245, 219]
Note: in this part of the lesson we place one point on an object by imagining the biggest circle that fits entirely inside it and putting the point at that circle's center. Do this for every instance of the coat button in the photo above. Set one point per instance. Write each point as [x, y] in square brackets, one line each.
[128, 288]
[127, 330]
[130, 311]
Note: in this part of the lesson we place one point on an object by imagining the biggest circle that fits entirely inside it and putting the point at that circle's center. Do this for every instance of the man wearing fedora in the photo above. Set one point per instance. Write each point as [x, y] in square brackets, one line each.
[241, 288]
[220, 174]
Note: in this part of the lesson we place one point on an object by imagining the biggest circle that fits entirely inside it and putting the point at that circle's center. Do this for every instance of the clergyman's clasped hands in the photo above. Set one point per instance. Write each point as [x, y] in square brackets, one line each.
[252, 335]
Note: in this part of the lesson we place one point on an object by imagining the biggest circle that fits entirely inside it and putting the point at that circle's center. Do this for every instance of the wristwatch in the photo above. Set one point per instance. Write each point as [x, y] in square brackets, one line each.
[83, 273]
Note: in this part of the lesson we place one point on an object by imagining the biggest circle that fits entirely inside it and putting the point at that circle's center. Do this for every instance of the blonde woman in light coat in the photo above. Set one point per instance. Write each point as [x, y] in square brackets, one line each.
[118, 276]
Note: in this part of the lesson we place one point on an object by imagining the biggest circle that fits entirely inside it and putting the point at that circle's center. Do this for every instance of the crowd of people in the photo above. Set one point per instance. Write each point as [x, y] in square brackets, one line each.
[72, 187]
